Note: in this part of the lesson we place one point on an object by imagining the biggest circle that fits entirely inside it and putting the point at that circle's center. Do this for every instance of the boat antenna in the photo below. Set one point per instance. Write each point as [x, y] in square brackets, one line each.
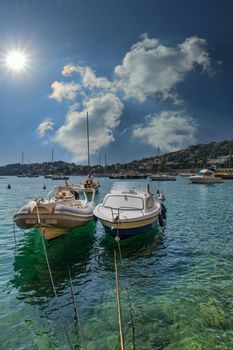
[88, 148]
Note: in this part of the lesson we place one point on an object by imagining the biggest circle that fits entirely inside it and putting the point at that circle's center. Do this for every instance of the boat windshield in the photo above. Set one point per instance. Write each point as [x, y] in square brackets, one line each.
[129, 185]
[124, 202]
[205, 173]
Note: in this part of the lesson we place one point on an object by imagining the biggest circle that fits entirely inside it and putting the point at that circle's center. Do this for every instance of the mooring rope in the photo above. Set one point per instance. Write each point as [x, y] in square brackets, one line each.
[52, 282]
[14, 234]
[74, 300]
[119, 305]
[127, 291]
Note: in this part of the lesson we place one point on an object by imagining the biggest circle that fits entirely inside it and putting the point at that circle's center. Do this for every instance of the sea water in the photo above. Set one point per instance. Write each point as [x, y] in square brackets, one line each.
[176, 283]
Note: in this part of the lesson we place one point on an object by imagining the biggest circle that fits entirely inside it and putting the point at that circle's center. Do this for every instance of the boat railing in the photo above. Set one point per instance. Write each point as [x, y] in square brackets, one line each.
[114, 216]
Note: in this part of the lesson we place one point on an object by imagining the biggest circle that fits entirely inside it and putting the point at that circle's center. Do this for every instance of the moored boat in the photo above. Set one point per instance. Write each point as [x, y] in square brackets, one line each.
[62, 210]
[206, 176]
[60, 177]
[163, 177]
[127, 176]
[90, 184]
[129, 210]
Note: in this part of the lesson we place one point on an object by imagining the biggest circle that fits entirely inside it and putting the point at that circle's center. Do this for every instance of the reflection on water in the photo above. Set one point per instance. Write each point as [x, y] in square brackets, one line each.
[31, 273]
[135, 247]
[179, 279]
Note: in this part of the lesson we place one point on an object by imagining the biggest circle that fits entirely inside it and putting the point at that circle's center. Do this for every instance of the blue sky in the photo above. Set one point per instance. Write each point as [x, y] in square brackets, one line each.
[150, 73]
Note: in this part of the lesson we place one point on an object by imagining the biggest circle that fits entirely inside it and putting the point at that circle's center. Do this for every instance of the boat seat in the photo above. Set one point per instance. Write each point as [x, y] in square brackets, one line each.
[77, 203]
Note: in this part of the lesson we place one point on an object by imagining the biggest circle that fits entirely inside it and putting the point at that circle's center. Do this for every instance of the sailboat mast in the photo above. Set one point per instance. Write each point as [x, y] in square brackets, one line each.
[52, 154]
[158, 162]
[88, 148]
[52, 159]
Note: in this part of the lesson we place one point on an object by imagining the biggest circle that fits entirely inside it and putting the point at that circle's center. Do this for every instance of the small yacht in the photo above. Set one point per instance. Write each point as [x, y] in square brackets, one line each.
[129, 209]
[65, 207]
[206, 176]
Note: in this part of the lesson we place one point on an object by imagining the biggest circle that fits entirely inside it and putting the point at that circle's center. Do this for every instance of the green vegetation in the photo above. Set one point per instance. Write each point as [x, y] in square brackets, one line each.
[194, 157]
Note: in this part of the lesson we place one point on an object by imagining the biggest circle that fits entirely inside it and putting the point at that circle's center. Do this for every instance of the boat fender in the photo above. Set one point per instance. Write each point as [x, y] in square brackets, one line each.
[163, 211]
[161, 223]
[161, 197]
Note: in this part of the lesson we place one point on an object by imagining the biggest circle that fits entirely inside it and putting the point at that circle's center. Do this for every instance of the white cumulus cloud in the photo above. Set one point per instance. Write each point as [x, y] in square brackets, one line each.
[62, 91]
[88, 77]
[149, 69]
[168, 130]
[44, 127]
[104, 116]
[152, 69]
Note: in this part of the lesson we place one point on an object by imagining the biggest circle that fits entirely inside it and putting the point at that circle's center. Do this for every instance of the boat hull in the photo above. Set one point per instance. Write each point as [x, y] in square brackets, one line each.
[129, 229]
[163, 178]
[201, 180]
[52, 217]
[52, 225]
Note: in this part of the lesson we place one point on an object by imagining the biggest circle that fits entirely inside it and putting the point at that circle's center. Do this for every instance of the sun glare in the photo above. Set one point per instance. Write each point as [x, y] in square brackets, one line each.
[16, 60]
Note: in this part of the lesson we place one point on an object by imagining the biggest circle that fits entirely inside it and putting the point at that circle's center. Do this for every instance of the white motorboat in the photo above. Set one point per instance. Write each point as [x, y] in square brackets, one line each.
[129, 210]
[65, 207]
[206, 176]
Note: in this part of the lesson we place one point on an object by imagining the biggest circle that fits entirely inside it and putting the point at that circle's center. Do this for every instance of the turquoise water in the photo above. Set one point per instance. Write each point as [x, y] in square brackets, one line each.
[179, 279]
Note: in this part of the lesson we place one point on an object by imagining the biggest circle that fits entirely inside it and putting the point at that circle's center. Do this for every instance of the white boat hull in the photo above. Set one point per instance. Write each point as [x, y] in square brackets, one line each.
[202, 180]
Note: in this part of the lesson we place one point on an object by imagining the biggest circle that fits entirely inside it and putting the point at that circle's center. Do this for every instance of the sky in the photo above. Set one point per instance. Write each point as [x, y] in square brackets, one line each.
[151, 74]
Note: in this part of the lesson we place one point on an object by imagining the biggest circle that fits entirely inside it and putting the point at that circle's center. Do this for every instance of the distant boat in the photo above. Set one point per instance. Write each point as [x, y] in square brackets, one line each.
[128, 176]
[90, 184]
[33, 175]
[162, 177]
[186, 174]
[206, 176]
[22, 175]
[61, 211]
[48, 176]
[59, 177]
[129, 210]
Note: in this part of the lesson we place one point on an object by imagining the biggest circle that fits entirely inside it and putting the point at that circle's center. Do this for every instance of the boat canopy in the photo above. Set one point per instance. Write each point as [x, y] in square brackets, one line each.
[206, 172]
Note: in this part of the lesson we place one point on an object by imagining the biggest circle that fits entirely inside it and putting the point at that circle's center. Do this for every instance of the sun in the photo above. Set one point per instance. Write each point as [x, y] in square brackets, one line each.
[16, 60]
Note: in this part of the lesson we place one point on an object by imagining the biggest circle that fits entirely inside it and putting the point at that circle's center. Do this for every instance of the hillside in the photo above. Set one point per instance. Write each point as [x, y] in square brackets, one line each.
[193, 157]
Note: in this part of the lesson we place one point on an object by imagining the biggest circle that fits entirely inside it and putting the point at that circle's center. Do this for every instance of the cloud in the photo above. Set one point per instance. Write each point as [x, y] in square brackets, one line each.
[152, 69]
[104, 116]
[44, 127]
[168, 130]
[88, 76]
[63, 91]
[148, 70]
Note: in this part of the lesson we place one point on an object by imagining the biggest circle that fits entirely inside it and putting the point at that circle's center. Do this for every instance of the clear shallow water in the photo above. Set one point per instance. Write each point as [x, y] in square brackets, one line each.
[180, 280]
